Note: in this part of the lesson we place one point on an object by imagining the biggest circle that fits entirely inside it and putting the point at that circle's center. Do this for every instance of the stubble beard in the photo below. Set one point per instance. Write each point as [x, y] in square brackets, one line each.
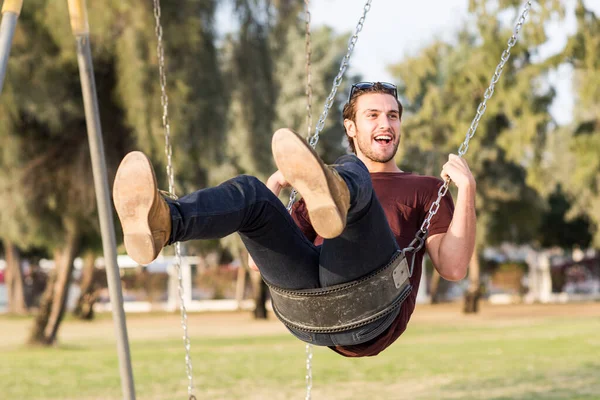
[368, 152]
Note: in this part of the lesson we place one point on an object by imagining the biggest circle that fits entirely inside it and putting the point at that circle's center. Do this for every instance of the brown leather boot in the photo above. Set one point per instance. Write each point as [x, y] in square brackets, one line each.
[143, 212]
[323, 189]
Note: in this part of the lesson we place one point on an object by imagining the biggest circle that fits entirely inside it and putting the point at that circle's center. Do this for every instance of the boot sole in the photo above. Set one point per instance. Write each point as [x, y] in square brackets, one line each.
[134, 193]
[301, 167]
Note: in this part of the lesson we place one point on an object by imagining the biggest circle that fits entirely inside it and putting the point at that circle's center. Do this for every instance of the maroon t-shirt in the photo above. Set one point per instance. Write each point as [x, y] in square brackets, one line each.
[406, 199]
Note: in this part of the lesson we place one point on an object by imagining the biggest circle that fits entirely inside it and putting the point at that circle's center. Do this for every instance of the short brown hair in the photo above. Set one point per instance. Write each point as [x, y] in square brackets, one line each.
[350, 107]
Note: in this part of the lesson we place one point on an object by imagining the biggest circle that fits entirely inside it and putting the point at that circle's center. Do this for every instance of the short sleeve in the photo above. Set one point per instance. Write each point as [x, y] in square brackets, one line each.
[442, 219]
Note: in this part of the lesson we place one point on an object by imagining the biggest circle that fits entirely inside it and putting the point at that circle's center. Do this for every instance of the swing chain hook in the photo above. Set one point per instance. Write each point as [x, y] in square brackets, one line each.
[164, 100]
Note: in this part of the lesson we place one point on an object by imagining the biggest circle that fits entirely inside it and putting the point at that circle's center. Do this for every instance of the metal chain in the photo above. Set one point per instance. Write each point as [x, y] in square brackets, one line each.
[421, 235]
[308, 348]
[164, 100]
[309, 91]
[309, 357]
[336, 84]
[314, 139]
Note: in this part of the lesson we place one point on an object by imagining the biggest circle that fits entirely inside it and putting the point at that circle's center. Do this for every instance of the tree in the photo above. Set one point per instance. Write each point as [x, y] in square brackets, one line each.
[84, 308]
[567, 174]
[47, 198]
[584, 179]
[442, 87]
[557, 230]
[14, 279]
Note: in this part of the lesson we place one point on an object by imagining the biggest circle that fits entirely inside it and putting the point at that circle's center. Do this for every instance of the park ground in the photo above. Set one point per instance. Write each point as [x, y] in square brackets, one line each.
[504, 352]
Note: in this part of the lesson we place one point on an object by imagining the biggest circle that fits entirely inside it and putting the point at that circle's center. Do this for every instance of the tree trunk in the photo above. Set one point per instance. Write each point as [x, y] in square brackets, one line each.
[41, 320]
[260, 295]
[240, 286]
[473, 293]
[14, 279]
[434, 287]
[54, 299]
[88, 296]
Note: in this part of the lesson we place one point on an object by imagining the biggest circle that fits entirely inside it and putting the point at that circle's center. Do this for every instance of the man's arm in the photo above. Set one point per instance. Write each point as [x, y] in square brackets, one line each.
[451, 252]
[276, 182]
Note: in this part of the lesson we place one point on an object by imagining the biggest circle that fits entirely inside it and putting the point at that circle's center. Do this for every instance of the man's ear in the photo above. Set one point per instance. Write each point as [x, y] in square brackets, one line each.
[350, 127]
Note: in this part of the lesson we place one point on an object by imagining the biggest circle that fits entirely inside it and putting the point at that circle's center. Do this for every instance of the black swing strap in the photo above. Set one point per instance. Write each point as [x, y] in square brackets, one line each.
[346, 306]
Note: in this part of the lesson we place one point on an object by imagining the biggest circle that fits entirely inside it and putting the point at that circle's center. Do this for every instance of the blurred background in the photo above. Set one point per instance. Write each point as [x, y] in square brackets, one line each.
[236, 72]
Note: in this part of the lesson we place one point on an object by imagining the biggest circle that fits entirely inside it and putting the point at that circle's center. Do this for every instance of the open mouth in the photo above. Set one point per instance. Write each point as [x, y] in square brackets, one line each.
[383, 139]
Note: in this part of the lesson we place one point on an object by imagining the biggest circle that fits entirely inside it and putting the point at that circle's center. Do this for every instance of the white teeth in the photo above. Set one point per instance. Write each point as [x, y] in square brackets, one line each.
[383, 137]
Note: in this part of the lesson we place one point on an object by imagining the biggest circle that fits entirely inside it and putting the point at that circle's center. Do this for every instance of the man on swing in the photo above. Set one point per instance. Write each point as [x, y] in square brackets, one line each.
[353, 219]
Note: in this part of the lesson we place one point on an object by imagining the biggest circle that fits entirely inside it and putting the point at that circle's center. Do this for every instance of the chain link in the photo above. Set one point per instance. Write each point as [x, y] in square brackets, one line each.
[164, 100]
[309, 94]
[309, 378]
[336, 84]
[338, 79]
[309, 91]
[421, 235]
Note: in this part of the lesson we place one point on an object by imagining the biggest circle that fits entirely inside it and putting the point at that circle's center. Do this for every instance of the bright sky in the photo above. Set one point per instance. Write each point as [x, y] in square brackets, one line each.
[396, 28]
[393, 28]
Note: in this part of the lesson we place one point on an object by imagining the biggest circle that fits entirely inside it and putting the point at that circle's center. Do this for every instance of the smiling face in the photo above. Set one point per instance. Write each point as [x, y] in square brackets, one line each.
[375, 130]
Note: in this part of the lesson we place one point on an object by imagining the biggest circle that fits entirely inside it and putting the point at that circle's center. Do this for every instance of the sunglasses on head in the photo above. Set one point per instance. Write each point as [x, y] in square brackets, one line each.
[367, 85]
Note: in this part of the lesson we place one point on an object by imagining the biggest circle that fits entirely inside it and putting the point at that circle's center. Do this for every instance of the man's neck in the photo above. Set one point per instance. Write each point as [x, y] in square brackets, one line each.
[374, 166]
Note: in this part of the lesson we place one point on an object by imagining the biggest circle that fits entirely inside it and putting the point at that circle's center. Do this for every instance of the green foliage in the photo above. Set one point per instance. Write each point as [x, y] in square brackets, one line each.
[584, 180]
[442, 88]
[226, 97]
[46, 168]
[253, 91]
[327, 51]
[571, 155]
[194, 87]
[46, 173]
[559, 230]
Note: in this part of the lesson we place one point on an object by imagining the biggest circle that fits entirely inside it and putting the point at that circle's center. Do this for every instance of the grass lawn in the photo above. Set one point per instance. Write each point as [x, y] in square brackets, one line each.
[504, 352]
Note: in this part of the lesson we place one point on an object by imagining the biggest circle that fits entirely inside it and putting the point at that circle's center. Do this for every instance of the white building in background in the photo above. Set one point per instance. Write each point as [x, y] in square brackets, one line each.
[538, 280]
[545, 264]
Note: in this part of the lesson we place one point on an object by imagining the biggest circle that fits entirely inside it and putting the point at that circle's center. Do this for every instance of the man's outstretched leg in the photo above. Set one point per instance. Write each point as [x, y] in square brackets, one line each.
[143, 212]
[242, 204]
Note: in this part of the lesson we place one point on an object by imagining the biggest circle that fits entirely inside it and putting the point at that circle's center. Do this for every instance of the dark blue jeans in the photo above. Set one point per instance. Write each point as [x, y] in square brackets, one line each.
[284, 256]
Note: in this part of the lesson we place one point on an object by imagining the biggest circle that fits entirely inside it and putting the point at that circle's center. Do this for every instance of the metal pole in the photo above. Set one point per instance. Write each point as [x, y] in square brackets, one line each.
[10, 13]
[79, 24]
